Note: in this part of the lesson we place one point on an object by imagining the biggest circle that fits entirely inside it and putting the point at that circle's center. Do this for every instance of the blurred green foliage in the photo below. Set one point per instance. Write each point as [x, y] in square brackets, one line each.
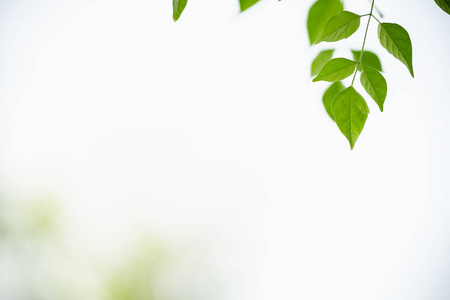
[40, 255]
[136, 277]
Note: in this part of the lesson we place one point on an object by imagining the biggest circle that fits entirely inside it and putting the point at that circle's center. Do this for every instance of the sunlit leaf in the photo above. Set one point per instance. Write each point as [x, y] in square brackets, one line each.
[350, 112]
[336, 70]
[319, 14]
[444, 4]
[374, 84]
[340, 26]
[244, 4]
[178, 7]
[322, 58]
[368, 59]
[396, 40]
[329, 94]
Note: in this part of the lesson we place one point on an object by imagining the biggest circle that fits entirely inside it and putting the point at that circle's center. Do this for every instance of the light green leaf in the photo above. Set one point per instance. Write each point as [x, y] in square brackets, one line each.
[178, 7]
[340, 26]
[368, 59]
[396, 40]
[444, 4]
[350, 112]
[322, 58]
[244, 4]
[336, 70]
[374, 84]
[329, 94]
[319, 14]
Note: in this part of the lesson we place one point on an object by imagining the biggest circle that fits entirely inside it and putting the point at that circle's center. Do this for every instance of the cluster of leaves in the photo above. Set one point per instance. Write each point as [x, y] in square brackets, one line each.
[179, 5]
[329, 22]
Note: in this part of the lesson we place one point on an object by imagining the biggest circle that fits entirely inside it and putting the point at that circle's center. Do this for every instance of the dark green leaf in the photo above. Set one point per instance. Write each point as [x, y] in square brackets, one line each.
[444, 4]
[350, 112]
[322, 58]
[368, 59]
[340, 26]
[319, 14]
[374, 84]
[396, 40]
[178, 7]
[244, 4]
[329, 94]
[336, 70]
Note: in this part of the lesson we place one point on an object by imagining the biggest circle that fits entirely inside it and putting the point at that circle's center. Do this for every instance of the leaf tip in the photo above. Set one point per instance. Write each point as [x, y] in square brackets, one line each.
[352, 145]
[176, 16]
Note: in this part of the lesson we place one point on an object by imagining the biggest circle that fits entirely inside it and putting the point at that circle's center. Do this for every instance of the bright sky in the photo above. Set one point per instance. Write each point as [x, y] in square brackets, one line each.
[209, 130]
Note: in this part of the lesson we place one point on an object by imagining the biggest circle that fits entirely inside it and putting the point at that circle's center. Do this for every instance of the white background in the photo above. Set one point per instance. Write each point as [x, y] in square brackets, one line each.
[210, 131]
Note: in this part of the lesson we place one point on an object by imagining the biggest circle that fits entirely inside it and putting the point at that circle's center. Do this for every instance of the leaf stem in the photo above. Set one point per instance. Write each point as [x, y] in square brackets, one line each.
[364, 42]
[376, 19]
[378, 10]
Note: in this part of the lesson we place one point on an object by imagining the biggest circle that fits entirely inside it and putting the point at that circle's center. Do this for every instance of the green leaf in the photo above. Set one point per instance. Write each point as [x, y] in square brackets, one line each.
[322, 58]
[444, 4]
[350, 112]
[374, 84]
[336, 70]
[340, 26]
[244, 4]
[319, 14]
[329, 94]
[368, 59]
[396, 40]
[178, 7]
